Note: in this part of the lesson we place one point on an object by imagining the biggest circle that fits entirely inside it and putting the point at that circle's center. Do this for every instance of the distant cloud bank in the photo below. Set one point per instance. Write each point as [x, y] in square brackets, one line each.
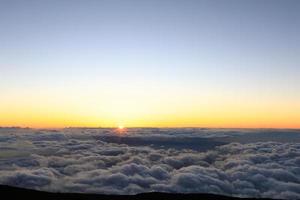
[75, 160]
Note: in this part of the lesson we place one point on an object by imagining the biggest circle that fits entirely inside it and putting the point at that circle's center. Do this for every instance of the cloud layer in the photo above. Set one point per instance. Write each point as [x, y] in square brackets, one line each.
[77, 161]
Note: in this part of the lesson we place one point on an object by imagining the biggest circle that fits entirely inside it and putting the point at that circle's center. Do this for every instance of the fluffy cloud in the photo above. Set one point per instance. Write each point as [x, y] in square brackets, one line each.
[79, 160]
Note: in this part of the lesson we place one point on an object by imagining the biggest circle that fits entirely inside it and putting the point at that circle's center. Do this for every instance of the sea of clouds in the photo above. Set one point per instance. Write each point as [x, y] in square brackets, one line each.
[95, 161]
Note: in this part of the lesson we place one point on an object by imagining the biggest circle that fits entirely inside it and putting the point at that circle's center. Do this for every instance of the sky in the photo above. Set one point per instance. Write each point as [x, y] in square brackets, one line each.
[150, 63]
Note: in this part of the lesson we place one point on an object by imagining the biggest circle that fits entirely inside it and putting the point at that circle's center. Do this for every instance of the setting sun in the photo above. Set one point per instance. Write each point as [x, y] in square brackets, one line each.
[120, 130]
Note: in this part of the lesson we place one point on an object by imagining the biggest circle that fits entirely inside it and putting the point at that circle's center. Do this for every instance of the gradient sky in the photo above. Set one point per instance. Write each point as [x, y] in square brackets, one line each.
[161, 63]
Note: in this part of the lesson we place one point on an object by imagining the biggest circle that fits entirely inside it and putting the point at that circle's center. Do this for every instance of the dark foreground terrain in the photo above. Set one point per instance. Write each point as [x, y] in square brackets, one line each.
[8, 192]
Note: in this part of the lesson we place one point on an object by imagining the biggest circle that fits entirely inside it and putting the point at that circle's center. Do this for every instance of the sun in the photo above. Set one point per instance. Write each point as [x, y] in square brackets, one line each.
[121, 130]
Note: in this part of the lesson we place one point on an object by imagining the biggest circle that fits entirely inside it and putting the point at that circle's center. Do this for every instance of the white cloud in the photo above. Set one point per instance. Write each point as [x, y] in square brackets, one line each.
[60, 161]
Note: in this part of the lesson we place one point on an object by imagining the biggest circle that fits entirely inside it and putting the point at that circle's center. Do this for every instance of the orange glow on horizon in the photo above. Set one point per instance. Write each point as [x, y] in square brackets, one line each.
[121, 130]
[145, 110]
[163, 123]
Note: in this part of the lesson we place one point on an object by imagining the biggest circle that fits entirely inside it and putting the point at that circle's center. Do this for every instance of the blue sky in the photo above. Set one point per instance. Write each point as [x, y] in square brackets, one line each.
[247, 48]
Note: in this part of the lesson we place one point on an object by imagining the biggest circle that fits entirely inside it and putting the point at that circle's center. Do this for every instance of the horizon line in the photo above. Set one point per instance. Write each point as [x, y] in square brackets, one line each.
[149, 127]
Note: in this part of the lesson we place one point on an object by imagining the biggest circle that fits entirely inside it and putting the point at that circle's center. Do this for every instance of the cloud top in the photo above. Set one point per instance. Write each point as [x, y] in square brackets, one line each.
[81, 162]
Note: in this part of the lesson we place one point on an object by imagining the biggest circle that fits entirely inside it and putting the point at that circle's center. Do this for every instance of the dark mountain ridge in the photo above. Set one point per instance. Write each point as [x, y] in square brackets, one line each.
[9, 192]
